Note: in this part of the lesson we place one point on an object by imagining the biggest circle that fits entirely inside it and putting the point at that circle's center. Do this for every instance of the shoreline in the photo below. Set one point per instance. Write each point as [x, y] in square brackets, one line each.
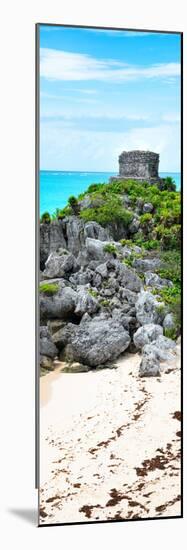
[90, 467]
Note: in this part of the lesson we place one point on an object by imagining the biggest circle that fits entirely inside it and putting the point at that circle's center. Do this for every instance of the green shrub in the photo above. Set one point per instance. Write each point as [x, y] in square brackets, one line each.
[172, 298]
[49, 288]
[170, 333]
[72, 201]
[167, 184]
[126, 242]
[66, 211]
[170, 238]
[151, 245]
[110, 248]
[110, 211]
[93, 292]
[146, 218]
[104, 303]
[46, 218]
[95, 187]
[171, 266]
[161, 309]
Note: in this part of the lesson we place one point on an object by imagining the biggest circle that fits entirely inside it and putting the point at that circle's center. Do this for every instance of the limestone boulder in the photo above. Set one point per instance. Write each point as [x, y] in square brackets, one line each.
[60, 264]
[60, 306]
[47, 346]
[146, 334]
[161, 348]
[98, 341]
[147, 264]
[148, 309]
[149, 366]
[85, 303]
[152, 279]
[169, 322]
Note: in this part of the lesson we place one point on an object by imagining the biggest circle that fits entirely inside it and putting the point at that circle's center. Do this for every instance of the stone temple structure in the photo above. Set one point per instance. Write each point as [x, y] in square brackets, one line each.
[138, 165]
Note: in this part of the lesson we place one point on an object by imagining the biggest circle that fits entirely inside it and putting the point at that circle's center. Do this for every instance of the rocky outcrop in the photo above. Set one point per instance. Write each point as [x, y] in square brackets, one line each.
[149, 366]
[48, 350]
[69, 233]
[152, 279]
[97, 341]
[60, 265]
[148, 309]
[85, 303]
[60, 306]
[100, 293]
[169, 322]
[147, 264]
[154, 353]
[51, 238]
[146, 334]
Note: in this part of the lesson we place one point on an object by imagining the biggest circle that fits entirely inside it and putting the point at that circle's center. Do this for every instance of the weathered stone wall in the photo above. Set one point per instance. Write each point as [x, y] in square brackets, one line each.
[138, 164]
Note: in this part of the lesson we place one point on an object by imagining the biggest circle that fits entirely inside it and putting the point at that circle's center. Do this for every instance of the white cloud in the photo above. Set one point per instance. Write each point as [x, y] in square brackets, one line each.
[61, 65]
[65, 148]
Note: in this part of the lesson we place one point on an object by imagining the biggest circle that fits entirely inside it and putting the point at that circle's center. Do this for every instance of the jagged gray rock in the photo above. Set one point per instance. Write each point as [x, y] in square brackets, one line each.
[97, 342]
[148, 309]
[128, 278]
[134, 226]
[51, 237]
[64, 335]
[85, 303]
[147, 207]
[161, 348]
[169, 321]
[59, 306]
[147, 264]
[60, 265]
[146, 334]
[96, 231]
[102, 270]
[152, 279]
[48, 350]
[149, 366]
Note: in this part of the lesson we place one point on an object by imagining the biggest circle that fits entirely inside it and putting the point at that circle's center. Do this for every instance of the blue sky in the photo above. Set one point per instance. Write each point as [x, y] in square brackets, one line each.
[102, 92]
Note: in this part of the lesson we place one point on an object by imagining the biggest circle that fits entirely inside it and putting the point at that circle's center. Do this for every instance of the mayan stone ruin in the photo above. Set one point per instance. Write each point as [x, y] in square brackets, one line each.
[138, 165]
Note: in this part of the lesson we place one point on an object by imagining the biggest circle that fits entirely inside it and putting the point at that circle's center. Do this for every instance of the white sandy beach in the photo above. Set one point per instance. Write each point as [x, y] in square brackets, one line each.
[110, 444]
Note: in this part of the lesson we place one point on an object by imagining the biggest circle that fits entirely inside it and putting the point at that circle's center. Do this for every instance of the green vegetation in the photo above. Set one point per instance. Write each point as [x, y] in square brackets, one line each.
[159, 233]
[170, 333]
[167, 184]
[73, 204]
[45, 218]
[150, 245]
[104, 303]
[134, 256]
[110, 211]
[110, 248]
[171, 269]
[49, 289]
[146, 218]
[126, 242]
[161, 309]
[93, 292]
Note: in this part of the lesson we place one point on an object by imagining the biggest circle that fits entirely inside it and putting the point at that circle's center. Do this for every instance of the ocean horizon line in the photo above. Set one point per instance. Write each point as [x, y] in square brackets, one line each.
[100, 171]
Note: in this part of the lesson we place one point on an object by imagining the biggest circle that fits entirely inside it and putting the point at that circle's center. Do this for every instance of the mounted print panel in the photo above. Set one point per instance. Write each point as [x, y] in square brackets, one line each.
[109, 177]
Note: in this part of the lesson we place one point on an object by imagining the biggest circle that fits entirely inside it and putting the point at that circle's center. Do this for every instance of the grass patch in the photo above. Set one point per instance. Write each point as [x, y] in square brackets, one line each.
[170, 333]
[110, 248]
[49, 289]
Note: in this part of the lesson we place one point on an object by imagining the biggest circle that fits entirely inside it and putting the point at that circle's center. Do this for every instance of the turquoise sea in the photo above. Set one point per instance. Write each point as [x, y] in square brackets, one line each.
[56, 187]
